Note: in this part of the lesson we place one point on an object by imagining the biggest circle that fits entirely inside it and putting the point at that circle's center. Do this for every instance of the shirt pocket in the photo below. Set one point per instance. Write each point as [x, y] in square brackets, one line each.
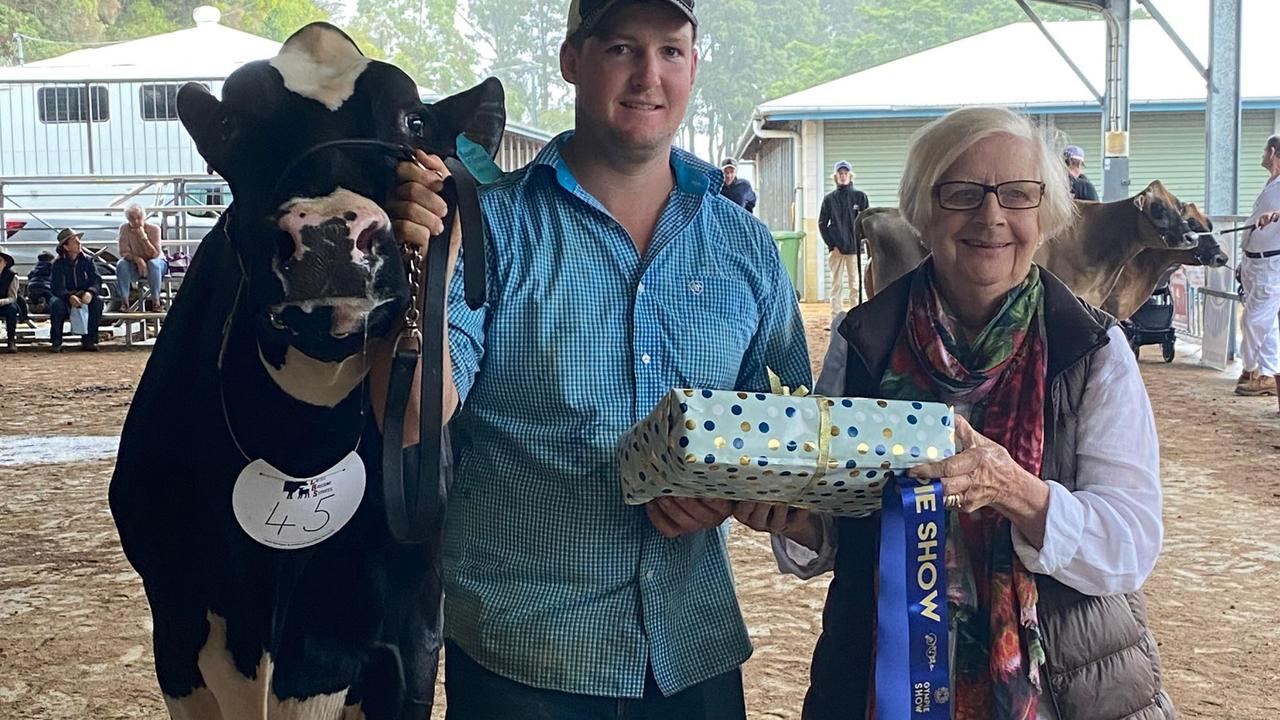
[710, 322]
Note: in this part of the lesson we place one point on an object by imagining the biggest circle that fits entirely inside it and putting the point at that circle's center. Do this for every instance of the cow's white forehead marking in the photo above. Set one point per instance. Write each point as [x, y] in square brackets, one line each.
[319, 63]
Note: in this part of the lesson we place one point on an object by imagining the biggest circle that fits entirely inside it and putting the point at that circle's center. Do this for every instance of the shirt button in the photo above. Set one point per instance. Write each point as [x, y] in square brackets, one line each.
[640, 289]
[648, 574]
[696, 286]
[645, 358]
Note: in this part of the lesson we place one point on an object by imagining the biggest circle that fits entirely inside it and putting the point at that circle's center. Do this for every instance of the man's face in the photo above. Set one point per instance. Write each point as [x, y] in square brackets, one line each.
[135, 219]
[843, 177]
[1268, 157]
[730, 174]
[1075, 166]
[634, 77]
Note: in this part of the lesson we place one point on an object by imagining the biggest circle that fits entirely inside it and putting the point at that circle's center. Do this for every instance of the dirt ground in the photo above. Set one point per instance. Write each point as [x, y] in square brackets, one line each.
[74, 626]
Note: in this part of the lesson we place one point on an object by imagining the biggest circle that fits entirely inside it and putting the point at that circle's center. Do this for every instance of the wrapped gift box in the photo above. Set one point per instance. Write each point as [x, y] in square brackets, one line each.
[827, 454]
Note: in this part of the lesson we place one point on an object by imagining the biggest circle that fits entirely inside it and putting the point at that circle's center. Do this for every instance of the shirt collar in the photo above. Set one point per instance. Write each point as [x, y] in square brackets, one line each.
[694, 176]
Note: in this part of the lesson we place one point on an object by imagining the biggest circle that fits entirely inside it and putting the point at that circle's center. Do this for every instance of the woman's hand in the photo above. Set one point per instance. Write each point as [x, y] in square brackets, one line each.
[983, 474]
[74, 300]
[795, 524]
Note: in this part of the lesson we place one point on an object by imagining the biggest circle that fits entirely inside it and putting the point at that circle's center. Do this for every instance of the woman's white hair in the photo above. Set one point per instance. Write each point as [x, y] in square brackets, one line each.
[935, 147]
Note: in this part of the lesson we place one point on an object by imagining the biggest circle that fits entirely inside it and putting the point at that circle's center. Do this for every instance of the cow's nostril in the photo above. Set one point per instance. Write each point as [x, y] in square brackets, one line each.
[364, 241]
[349, 216]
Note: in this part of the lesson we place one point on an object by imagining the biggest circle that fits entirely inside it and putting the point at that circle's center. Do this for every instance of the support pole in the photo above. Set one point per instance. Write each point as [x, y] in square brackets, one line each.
[1222, 121]
[1115, 118]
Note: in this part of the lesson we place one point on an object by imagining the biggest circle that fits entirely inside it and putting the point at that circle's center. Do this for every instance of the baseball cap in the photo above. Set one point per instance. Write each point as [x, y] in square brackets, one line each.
[843, 165]
[584, 15]
[728, 162]
[1072, 152]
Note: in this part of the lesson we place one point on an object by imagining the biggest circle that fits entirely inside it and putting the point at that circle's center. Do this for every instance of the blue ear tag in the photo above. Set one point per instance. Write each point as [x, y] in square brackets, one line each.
[477, 160]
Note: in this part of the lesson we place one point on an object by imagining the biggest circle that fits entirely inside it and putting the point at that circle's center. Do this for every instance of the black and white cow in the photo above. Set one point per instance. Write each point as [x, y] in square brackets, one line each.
[247, 491]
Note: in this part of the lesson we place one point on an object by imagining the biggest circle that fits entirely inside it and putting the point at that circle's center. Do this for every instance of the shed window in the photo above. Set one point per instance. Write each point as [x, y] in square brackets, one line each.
[73, 104]
[159, 101]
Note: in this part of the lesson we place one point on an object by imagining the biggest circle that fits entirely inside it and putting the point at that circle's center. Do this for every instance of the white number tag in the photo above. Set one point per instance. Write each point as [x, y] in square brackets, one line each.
[291, 513]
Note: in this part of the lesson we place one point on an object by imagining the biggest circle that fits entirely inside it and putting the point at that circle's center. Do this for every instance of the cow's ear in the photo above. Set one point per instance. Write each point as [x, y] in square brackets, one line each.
[479, 113]
[205, 119]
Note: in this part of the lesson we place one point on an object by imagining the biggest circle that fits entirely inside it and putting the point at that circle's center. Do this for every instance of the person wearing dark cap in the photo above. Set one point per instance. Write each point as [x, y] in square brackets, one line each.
[76, 283]
[614, 275]
[9, 301]
[1081, 187]
[737, 189]
[840, 210]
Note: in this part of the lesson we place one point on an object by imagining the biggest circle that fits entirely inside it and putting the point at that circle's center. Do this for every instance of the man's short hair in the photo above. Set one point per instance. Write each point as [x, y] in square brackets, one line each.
[1273, 142]
[135, 208]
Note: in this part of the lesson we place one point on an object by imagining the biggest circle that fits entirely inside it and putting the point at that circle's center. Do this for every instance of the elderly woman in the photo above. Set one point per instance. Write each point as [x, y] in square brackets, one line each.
[1056, 485]
[138, 243]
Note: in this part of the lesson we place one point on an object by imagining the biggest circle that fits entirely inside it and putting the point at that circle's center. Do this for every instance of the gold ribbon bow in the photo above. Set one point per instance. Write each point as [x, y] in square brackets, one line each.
[824, 428]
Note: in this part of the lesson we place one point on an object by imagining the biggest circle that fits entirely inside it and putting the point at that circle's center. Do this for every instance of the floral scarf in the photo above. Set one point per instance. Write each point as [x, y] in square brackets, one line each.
[1000, 375]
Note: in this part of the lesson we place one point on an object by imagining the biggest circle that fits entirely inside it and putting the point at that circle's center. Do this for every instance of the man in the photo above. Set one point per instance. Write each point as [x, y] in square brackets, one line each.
[840, 209]
[615, 272]
[1260, 276]
[735, 188]
[76, 284]
[1081, 188]
[140, 257]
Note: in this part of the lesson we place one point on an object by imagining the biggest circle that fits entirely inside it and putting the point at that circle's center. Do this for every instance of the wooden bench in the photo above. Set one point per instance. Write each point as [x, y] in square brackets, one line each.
[147, 325]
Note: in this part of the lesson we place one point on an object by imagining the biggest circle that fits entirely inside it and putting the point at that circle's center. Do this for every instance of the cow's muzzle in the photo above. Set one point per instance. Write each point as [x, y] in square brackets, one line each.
[336, 255]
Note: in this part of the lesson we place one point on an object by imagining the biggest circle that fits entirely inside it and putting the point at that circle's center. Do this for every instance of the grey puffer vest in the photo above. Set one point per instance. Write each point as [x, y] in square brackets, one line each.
[1101, 660]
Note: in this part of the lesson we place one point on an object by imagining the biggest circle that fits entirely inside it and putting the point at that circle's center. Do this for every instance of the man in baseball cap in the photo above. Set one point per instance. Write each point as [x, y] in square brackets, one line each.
[737, 189]
[562, 601]
[1081, 188]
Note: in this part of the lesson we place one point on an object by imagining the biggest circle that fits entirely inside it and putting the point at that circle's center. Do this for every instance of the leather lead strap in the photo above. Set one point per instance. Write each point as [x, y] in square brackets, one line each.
[415, 502]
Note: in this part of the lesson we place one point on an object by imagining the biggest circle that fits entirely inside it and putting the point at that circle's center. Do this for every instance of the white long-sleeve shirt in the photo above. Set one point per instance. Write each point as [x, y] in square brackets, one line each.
[1102, 539]
[1266, 239]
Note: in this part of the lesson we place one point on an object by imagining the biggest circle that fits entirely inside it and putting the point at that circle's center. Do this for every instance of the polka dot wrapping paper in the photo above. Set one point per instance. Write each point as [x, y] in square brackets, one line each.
[827, 454]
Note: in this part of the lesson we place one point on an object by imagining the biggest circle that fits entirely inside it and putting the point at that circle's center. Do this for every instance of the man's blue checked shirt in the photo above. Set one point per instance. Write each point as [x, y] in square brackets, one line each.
[550, 579]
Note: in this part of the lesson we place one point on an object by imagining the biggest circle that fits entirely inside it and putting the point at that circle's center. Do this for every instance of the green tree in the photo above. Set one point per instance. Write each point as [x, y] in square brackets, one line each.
[525, 38]
[422, 38]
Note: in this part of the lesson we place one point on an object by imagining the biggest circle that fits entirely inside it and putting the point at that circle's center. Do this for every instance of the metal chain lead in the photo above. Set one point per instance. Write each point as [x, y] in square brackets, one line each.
[414, 268]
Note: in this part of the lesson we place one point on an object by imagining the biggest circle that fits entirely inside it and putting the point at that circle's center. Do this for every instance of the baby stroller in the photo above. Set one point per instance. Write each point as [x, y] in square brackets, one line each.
[1152, 324]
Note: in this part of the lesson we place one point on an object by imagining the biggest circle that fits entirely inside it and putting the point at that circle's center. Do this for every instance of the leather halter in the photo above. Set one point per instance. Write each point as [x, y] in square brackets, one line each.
[415, 505]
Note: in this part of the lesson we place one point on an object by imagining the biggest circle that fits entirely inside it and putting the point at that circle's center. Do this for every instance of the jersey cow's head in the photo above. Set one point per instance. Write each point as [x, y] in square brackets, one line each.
[324, 271]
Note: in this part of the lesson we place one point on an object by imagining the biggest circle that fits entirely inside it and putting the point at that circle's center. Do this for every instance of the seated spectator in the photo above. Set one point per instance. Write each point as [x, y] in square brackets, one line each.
[140, 257]
[9, 301]
[75, 284]
[40, 283]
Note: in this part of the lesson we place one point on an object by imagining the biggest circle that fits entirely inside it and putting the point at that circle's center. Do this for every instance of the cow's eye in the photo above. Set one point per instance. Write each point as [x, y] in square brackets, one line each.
[413, 124]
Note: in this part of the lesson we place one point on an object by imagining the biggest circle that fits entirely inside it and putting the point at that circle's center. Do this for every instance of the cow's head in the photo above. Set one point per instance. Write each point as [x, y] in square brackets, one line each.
[1209, 253]
[1164, 225]
[323, 269]
[1196, 220]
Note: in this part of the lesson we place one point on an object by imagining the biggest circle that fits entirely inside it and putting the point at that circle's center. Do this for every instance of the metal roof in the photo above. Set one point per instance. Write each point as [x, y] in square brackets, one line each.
[1016, 66]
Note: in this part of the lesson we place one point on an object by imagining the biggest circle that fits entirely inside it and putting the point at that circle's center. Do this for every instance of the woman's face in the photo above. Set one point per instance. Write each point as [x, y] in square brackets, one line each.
[990, 248]
[72, 247]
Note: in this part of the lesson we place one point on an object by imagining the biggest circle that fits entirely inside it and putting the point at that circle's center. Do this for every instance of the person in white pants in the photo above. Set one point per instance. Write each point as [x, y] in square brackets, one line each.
[1260, 276]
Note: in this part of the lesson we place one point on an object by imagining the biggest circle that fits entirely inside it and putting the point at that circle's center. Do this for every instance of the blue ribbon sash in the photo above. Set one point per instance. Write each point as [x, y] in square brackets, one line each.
[913, 679]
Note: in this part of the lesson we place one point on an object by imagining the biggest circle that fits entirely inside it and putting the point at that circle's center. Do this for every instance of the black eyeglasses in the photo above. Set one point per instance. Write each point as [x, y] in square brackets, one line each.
[1012, 195]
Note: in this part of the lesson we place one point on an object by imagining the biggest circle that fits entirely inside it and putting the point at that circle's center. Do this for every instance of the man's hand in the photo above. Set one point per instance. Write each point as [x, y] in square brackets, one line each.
[417, 215]
[675, 516]
[796, 524]
[141, 265]
[74, 300]
[1268, 218]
